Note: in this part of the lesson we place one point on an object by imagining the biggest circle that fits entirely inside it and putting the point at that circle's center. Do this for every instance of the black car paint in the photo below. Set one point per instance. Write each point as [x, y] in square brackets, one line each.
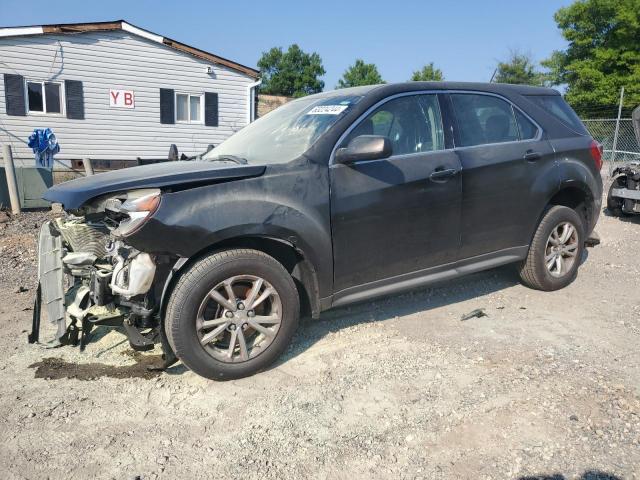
[385, 214]
[74, 194]
[289, 203]
[400, 196]
[508, 174]
[576, 169]
[360, 228]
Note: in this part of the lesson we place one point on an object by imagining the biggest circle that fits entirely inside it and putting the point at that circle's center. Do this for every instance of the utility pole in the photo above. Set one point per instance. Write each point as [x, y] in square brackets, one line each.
[615, 135]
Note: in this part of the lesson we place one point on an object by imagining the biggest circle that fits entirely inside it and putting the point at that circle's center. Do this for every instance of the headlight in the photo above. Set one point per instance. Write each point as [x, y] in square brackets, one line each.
[138, 207]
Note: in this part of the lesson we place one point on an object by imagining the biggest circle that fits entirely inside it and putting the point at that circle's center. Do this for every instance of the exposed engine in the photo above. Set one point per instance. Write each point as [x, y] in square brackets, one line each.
[90, 276]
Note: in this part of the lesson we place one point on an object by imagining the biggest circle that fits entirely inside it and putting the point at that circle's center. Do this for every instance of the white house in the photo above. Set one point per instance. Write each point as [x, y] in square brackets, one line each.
[113, 91]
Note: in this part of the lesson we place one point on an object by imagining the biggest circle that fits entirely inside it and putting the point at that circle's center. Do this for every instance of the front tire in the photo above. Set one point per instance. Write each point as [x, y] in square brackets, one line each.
[232, 314]
[556, 250]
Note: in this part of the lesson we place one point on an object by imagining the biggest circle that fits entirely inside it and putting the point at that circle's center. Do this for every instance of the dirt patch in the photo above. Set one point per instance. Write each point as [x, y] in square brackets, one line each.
[52, 368]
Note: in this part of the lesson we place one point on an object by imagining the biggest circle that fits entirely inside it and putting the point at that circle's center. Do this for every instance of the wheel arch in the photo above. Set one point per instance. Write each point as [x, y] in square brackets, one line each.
[575, 195]
[290, 257]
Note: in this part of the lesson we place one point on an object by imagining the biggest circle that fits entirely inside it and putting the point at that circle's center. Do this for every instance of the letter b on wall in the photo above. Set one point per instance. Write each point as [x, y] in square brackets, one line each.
[121, 99]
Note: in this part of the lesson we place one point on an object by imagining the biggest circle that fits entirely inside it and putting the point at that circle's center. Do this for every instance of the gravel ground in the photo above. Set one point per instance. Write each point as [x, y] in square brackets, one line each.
[547, 386]
[18, 250]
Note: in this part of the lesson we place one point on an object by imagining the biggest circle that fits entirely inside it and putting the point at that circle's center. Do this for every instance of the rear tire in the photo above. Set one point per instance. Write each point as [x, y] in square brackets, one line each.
[213, 306]
[552, 262]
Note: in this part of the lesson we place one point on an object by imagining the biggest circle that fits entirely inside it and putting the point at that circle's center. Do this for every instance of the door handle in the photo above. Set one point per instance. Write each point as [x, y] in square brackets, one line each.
[531, 156]
[442, 174]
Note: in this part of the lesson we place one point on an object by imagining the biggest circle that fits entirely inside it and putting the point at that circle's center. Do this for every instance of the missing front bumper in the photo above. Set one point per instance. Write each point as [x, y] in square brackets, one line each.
[64, 307]
[89, 298]
[50, 291]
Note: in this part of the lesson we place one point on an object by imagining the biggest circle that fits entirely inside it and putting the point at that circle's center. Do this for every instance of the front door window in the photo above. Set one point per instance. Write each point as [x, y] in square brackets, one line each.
[413, 124]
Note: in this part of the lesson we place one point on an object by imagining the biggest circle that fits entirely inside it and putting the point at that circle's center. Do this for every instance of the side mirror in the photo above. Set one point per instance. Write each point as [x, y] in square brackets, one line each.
[365, 147]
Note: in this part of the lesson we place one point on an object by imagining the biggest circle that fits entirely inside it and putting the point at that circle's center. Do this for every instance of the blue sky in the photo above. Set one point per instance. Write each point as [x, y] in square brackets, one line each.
[464, 38]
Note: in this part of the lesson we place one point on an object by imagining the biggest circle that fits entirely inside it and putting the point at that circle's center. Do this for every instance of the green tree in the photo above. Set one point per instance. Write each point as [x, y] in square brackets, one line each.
[428, 73]
[602, 56]
[519, 68]
[360, 73]
[293, 73]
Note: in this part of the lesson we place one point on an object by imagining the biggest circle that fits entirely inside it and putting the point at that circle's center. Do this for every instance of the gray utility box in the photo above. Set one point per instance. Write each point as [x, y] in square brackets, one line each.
[32, 183]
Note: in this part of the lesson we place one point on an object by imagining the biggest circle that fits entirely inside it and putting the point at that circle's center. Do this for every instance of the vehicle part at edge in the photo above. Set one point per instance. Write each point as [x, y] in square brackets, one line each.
[624, 192]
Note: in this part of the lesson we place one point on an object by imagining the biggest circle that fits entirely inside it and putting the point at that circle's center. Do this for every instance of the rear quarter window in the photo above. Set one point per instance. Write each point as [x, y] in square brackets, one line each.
[556, 106]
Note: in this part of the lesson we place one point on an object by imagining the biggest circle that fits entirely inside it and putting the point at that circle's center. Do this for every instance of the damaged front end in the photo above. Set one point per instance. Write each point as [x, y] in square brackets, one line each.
[624, 194]
[89, 276]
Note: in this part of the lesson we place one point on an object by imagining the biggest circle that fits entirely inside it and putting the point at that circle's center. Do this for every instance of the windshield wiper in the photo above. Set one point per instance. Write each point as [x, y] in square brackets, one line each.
[232, 158]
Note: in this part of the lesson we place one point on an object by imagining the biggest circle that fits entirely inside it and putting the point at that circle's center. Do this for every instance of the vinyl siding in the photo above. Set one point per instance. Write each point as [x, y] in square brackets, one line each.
[118, 60]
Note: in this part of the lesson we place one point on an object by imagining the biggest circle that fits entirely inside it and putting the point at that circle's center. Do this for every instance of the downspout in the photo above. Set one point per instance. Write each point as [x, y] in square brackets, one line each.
[251, 100]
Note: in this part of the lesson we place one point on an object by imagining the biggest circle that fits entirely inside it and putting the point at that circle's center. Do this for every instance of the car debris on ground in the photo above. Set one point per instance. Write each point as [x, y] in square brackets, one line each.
[477, 313]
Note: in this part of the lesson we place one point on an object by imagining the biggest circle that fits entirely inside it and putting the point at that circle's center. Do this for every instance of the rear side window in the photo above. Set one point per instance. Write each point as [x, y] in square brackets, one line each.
[526, 127]
[556, 106]
[483, 119]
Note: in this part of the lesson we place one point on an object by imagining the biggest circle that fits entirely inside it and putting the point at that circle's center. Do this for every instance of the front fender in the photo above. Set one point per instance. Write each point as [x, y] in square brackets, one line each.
[291, 205]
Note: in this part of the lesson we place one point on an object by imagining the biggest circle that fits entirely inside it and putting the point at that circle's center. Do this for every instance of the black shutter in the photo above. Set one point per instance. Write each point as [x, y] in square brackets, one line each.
[74, 99]
[14, 94]
[211, 109]
[167, 106]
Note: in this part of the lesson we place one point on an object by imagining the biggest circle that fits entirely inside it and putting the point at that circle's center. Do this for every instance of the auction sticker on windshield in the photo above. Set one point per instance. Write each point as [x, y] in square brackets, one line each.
[327, 110]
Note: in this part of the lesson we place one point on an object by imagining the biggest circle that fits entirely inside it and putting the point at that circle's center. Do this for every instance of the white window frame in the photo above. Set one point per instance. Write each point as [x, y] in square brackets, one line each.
[44, 98]
[200, 121]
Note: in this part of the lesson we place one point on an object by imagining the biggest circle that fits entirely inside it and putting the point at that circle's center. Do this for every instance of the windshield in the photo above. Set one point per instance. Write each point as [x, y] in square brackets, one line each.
[286, 133]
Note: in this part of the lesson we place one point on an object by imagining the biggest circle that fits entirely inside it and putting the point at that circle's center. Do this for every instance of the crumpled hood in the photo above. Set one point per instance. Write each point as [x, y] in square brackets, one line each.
[75, 193]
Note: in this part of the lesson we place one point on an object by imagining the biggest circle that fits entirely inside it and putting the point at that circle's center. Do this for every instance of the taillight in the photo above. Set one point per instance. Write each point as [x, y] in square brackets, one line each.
[596, 153]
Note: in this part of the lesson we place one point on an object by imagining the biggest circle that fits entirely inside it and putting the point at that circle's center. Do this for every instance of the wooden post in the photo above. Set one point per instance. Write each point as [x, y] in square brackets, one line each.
[9, 170]
[88, 168]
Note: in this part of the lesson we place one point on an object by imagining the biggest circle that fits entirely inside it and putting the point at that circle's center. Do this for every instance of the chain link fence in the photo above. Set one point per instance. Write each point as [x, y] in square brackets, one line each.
[623, 149]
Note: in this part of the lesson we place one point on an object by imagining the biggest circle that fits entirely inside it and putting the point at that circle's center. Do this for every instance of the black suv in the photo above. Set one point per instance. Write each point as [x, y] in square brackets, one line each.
[331, 199]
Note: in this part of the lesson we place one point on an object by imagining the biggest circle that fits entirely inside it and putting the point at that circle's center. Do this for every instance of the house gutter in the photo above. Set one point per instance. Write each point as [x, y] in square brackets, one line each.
[251, 100]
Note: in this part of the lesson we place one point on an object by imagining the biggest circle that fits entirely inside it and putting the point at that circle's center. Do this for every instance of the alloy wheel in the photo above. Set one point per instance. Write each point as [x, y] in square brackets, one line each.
[562, 249]
[239, 318]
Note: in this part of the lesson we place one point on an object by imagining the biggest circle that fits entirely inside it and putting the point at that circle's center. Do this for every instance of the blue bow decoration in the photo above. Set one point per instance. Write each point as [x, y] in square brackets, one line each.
[44, 144]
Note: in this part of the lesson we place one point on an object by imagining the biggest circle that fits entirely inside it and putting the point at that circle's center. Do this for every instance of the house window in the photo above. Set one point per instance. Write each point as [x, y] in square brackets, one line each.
[44, 97]
[189, 108]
